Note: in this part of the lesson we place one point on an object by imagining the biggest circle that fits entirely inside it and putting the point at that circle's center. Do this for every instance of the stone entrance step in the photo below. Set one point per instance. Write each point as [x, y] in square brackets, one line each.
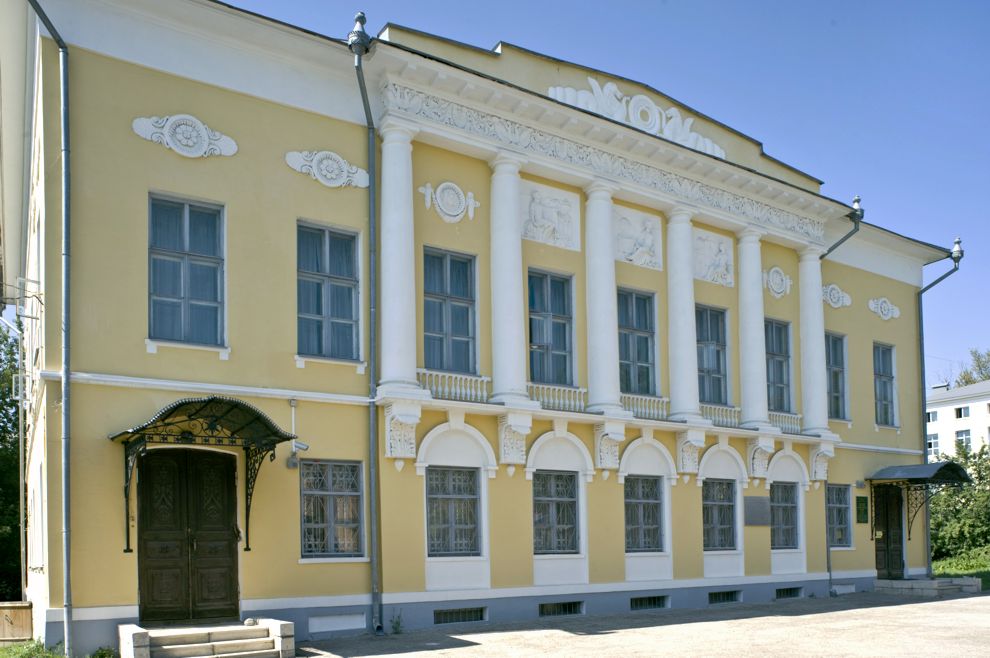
[266, 638]
[929, 587]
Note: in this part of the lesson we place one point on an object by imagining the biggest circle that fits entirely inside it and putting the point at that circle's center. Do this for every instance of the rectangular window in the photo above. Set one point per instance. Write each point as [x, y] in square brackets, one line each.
[327, 293]
[835, 366]
[644, 514]
[712, 368]
[883, 384]
[962, 412]
[186, 278]
[933, 445]
[783, 515]
[636, 336]
[838, 515]
[931, 416]
[778, 344]
[448, 311]
[555, 512]
[452, 511]
[331, 508]
[964, 439]
[718, 514]
[550, 329]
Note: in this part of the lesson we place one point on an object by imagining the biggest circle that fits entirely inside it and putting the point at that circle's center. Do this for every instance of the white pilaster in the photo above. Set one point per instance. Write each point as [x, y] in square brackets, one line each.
[682, 334]
[603, 316]
[814, 377]
[398, 269]
[752, 341]
[509, 348]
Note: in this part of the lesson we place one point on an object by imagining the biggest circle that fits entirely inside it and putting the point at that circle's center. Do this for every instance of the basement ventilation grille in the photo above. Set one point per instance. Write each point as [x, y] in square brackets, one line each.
[648, 602]
[561, 609]
[714, 598]
[788, 593]
[458, 615]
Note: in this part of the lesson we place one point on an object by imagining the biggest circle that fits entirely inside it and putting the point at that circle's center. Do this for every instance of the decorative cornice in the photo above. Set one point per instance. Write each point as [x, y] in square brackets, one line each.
[184, 134]
[328, 168]
[506, 133]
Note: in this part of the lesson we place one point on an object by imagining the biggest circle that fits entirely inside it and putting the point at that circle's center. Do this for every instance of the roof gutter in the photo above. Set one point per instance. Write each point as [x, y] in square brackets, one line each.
[857, 217]
[63, 61]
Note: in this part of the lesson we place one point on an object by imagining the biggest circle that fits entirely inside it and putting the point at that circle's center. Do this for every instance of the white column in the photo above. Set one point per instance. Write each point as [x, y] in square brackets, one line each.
[398, 265]
[814, 377]
[681, 333]
[602, 312]
[752, 342]
[509, 347]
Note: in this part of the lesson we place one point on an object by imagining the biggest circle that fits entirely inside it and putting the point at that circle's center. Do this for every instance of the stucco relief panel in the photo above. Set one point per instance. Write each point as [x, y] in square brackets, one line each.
[550, 215]
[637, 238]
[713, 258]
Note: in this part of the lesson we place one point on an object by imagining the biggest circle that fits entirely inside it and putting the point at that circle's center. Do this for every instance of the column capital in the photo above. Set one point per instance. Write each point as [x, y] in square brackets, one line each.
[681, 214]
[599, 187]
[507, 161]
[811, 252]
[393, 129]
[750, 234]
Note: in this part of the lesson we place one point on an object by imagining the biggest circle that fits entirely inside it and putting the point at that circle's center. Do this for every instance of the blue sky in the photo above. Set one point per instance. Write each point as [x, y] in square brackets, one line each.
[884, 99]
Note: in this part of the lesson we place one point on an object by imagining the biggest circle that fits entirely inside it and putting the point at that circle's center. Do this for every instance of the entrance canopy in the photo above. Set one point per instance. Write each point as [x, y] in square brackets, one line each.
[936, 473]
[210, 421]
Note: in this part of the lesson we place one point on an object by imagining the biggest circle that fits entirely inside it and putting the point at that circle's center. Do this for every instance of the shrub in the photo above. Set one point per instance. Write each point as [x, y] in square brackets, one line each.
[961, 515]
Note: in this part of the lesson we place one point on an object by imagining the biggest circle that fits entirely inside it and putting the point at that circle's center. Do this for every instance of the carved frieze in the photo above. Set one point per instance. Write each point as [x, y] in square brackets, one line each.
[550, 215]
[884, 308]
[638, 111]
[328, 168]
[713, 258]
[400, 99]
[449, 201]
[777, 282]
[835, 296]
[184, 134]
[637, 238]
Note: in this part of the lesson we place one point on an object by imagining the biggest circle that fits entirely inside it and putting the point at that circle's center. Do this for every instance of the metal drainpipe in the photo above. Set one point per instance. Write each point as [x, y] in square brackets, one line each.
[856, 216]
[956, 255]
[63, 60]
[828, 546]
[359, 43]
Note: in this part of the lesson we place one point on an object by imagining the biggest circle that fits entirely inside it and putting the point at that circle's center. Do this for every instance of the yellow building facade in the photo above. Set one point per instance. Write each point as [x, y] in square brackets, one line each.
[613, 370]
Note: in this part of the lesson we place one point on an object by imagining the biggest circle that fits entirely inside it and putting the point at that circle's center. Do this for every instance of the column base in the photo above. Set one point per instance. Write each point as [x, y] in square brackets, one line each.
[690, 418]
[512, 400]
[825, 433]
[611, 410]
[403, 389]
[761, 426]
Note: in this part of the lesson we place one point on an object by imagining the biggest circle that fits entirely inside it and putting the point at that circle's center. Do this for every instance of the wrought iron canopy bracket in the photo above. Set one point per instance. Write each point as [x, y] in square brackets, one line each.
[917, 495]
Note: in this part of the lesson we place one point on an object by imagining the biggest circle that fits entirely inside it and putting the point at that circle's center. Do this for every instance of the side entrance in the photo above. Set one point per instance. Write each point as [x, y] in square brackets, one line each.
[187, 535]
[888, 512]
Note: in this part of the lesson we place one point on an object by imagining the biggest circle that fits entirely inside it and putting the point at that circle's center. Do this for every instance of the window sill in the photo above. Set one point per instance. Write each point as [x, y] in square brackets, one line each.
[332, 560]
[848, 423]
[359, 366]
[787, 551]
[647, 554]
[152, 346]
[842, 548]
[457, 558]
[877, 427]
[720, 551]
[559, 556]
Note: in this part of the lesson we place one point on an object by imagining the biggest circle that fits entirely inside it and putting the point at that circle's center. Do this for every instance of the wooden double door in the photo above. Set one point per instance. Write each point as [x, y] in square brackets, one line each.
[187, 535]
[888, 530]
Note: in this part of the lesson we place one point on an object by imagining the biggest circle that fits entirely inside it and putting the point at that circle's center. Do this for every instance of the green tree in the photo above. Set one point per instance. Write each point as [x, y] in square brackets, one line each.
[977, 371]
[10, 561]
[961, 516]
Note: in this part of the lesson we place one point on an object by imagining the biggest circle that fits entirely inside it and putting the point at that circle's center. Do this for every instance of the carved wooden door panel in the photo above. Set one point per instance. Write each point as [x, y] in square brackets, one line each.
[888, 515]
[187, 536]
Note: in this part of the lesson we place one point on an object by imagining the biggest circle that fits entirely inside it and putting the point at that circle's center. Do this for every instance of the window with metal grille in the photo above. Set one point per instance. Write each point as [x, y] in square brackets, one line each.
[838, 515]
[452, 511]
[783, 515]
[964, 439]
[835, 367]
[448, 311]
[712, 368]
[883, 384]
[458, 615]
[331, 508]
[715, 598]
[933, 445]
[326, 293]
[560, 609]
[644, 513]
[636, 338]
[550, 323]
[186, 272]
[555, 512]
[718, 513]
[788, 593]
[778, 344]
[648, 602]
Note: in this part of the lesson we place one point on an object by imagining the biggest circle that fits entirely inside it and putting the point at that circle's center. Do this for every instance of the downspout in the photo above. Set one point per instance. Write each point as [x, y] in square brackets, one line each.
[359, 43]
[956, 255]
[63, 60]
[856, 216]
[828, 545]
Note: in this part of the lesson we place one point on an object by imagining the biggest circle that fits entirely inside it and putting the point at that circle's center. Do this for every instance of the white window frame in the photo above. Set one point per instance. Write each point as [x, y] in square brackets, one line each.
[790, 365]
[655, 376]
[473, 262]
[895, 410]
[362, 532]
[845, 376]
[966, 440]
[849, 518]
[647, 456]
[962, 412]
[722, 462]
[728, 372]
[931, 445]
[572, 365]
